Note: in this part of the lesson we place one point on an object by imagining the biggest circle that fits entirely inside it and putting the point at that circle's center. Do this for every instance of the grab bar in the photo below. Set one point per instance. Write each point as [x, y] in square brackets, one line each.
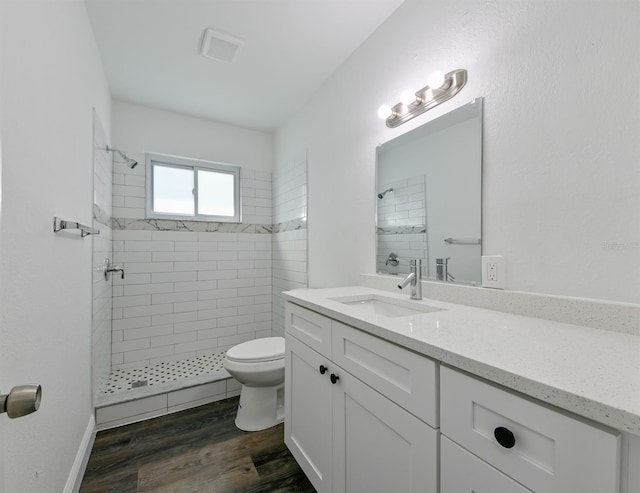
[60, 224]
[463, 241]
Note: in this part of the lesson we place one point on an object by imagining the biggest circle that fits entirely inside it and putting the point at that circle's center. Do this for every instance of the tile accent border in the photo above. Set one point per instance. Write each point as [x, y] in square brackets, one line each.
[120, 223]
[292, 225]
[401, 230]
[597, 314]
[101, 216]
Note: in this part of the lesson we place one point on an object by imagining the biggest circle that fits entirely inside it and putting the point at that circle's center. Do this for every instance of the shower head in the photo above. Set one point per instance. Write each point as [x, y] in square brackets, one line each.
[381, 195]
[130, 162]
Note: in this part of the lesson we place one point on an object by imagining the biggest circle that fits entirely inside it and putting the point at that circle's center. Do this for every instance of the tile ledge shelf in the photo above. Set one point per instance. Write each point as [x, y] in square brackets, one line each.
[597, 314]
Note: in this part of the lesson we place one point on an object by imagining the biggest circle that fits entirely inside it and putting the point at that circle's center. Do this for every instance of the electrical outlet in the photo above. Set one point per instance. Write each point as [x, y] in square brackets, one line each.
[494, 272]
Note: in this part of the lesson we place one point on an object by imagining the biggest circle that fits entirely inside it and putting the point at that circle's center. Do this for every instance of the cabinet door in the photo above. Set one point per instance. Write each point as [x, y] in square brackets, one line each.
[463, 472]
[377, 445]
[308, 408]
[406, 378]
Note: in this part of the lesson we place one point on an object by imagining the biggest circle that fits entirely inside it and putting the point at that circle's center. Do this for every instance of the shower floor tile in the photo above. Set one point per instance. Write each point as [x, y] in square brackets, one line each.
[126, 379]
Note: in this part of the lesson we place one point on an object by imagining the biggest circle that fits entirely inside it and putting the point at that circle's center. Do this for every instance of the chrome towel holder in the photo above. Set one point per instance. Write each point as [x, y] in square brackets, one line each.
[61, 224]
[463, 241]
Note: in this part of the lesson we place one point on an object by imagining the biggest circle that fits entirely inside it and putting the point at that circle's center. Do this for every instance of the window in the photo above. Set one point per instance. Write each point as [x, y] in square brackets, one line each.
[182, 188]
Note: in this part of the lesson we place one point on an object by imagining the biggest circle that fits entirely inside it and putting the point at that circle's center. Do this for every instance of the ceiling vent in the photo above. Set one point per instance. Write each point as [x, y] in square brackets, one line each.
[220, 46]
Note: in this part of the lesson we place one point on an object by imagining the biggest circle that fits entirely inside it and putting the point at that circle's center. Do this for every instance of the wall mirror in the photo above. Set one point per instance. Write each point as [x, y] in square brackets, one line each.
[428, 196]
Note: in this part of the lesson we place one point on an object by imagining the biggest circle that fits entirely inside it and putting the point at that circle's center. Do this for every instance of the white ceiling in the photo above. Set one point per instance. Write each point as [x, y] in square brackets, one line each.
[150, 51]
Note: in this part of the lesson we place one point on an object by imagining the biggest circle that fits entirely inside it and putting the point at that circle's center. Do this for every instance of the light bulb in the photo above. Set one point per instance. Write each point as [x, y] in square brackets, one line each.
[385, 111]
[407, 97]
[436, 80]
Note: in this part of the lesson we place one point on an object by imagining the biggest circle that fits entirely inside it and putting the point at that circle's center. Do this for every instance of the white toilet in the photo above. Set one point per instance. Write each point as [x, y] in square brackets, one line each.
[259, 366]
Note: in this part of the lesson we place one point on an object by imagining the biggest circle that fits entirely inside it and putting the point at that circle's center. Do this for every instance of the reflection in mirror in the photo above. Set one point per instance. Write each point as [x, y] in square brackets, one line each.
[429, 198]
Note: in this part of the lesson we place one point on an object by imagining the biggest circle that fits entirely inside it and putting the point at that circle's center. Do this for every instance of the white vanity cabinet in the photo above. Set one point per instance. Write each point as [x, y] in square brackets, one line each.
[538, 448]
[365, 415]
[340, 425]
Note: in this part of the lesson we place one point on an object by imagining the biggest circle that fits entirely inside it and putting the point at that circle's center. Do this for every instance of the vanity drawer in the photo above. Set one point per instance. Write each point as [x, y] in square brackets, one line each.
[406, 378]
[309, 327]
[551, 452]
[463, 472]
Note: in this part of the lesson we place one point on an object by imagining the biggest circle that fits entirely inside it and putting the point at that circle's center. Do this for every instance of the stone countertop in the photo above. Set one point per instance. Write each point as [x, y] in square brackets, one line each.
[590, 372]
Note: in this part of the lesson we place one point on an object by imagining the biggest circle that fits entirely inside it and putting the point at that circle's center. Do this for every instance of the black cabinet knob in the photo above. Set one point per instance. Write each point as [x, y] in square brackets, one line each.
[323, 369]
[504, 437]
[334, 378]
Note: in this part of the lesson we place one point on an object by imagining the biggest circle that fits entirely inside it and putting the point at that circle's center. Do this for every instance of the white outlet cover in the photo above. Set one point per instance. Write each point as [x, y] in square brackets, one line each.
[500, 280]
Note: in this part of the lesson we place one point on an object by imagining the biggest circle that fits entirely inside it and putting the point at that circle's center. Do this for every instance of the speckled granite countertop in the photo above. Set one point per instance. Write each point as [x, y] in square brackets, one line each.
[593, 373]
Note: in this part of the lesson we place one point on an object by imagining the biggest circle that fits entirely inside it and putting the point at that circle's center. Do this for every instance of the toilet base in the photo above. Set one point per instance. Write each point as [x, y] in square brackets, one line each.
[260, 407]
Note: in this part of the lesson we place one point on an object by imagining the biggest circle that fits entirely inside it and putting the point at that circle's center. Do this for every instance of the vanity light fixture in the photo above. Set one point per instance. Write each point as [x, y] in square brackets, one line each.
[441, 87]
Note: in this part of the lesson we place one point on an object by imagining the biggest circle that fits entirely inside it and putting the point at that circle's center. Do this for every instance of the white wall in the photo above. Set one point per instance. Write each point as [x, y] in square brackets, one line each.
[562, 119]
[139, 129]
[51, 80]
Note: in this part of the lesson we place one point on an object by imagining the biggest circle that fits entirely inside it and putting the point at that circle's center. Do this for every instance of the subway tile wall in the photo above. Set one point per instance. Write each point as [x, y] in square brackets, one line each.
[188, 293]
[129, 196]
[290, 191]
[405, 205]
[406, 246]
[289, 271]
[401, 225]
[289, 237]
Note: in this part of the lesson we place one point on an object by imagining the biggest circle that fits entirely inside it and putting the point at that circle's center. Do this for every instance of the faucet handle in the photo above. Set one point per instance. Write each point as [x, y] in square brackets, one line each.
[392, 259]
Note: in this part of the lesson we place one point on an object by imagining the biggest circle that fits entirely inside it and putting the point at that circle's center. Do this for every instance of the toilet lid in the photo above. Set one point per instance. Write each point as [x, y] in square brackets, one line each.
[257, 350]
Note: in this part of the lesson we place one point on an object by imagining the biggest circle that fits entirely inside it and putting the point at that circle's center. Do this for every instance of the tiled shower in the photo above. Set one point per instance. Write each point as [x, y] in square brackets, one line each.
[191, 289]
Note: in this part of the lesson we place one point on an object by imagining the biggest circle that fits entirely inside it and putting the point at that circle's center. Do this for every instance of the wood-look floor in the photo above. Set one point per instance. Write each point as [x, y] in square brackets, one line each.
[195, 451]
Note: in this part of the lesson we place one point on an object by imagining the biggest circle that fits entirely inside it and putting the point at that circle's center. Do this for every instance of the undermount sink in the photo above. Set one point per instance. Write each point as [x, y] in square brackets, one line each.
[373, 304]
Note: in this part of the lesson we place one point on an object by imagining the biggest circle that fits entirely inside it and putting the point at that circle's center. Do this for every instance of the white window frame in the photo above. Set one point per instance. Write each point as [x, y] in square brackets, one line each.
[194, 165]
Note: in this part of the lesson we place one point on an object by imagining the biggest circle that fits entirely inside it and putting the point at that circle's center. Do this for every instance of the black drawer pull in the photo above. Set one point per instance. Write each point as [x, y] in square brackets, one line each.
[504, 437]
[334, 378]
[323, 369]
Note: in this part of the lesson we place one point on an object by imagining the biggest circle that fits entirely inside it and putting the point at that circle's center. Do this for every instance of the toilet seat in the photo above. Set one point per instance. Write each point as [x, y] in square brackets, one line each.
[257, 350]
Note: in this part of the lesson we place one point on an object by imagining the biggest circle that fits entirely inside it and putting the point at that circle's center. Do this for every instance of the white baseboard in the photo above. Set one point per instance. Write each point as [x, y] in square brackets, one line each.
[82, 457]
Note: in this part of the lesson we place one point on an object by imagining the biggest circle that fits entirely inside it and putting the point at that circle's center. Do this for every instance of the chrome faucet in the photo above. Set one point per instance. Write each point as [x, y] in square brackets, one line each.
[414, 279]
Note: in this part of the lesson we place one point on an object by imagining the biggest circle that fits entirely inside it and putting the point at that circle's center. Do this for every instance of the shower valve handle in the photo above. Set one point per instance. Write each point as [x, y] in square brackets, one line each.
[108, 269]
[117, 268]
